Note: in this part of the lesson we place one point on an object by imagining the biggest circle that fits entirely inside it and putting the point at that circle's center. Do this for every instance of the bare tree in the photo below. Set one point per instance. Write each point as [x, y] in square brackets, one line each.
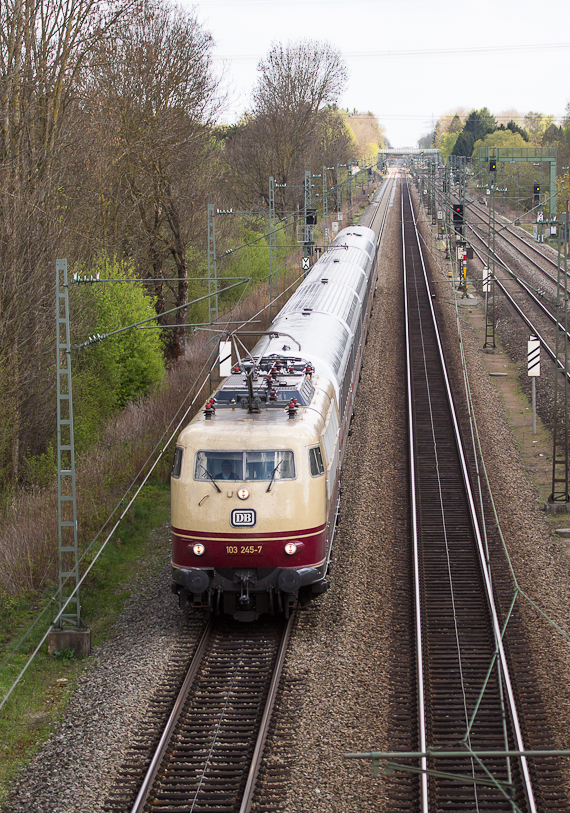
[158, 91]
[368, 132]
[335, 143]
[298, 79]
[44, 45]
[281, 136]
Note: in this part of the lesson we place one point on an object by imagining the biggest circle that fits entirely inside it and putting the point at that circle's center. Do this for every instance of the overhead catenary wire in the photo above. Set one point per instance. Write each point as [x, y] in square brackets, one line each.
[159, 449]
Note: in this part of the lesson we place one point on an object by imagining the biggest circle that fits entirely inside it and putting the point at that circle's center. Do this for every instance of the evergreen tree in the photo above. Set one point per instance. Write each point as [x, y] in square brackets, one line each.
[456, 125]
[479, 123]
[464, 144]
[515, 128]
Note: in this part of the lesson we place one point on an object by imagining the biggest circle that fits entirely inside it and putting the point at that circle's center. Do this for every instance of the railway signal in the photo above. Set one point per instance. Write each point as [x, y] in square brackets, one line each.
[458, 218]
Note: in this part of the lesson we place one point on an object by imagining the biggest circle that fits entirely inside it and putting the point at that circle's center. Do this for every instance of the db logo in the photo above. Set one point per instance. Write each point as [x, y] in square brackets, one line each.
[241, 518]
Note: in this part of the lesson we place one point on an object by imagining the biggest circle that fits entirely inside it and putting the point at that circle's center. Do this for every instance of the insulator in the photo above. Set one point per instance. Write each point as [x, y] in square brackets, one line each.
[291, 409]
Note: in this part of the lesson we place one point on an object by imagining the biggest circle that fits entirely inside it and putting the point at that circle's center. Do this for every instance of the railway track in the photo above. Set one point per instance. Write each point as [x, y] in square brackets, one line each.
[375, 216]
[203, 744]
[470, 697]
[209, 752]
[544, 329]
[537, 279]
[537, 258]
[536, 310]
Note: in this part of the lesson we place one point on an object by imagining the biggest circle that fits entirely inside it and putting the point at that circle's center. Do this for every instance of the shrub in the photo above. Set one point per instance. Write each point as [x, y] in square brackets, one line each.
[121, 368]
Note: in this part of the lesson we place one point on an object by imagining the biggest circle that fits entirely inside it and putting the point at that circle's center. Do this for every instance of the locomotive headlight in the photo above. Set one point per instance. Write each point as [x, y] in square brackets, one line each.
[199, 549]
[290, 548]
[243, 493]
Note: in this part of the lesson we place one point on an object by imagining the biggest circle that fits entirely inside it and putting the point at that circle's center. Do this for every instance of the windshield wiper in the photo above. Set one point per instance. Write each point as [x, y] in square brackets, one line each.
[273, 476]
[219, 490]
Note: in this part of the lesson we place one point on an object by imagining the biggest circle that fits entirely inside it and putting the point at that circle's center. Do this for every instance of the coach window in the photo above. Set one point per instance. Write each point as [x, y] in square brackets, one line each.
[316, 461]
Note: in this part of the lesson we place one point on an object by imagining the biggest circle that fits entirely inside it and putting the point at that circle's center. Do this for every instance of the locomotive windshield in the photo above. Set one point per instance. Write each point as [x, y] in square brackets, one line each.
[265, 465]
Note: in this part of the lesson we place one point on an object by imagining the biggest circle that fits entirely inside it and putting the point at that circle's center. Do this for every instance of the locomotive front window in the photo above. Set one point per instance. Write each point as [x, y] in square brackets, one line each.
[219, 466]
[245, 466]
[265, 465]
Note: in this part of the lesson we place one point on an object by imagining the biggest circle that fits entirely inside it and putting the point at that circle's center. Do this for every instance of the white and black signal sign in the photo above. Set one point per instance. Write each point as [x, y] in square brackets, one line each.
[533, 356]
[306, 263]
[243, 518]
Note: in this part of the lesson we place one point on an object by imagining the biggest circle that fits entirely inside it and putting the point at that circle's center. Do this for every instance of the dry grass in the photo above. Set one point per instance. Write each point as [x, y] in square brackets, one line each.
[29, 531]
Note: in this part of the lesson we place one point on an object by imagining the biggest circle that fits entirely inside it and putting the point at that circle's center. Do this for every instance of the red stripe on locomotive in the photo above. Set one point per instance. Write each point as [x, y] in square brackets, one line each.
[253, 550]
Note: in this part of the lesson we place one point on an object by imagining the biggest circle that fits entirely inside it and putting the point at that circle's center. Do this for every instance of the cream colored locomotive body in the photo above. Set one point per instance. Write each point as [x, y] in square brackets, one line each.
[256, 477]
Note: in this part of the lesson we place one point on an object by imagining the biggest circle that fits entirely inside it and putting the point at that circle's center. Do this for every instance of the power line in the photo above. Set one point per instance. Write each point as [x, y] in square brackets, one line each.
[485, 49]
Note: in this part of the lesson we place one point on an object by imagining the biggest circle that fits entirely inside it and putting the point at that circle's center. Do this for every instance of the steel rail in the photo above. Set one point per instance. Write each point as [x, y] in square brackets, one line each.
[415, 543]
[484, 567]
[522, 314]
[388, 189]
[506, 230]
[172, 720]
[163, 745]
[247, 799]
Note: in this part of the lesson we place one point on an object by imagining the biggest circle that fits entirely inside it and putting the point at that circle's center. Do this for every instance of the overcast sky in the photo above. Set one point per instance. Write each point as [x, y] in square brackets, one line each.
[409, 61]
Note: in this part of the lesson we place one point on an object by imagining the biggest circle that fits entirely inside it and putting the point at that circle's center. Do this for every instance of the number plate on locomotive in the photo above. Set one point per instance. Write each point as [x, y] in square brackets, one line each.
[242, 550]
[243, 518]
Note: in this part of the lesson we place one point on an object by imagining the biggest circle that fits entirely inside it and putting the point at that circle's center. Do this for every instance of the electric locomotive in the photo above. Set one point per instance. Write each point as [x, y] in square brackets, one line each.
[256, 474]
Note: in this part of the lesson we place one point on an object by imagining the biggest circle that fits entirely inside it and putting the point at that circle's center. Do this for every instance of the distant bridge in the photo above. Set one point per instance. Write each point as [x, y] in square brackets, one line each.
[408, 151]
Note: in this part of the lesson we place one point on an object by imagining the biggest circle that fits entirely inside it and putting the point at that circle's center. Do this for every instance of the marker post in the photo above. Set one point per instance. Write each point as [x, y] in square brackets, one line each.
[533, 355]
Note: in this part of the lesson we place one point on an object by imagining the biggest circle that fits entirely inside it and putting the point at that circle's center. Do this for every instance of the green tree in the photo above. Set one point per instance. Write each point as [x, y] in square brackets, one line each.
[515, 128]
[447, 143]
[500, 138]
[517, 178]
[563, 189]
[456, 125]
[536, 124]
[463, 144]
[121, 368]
[477, 125]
